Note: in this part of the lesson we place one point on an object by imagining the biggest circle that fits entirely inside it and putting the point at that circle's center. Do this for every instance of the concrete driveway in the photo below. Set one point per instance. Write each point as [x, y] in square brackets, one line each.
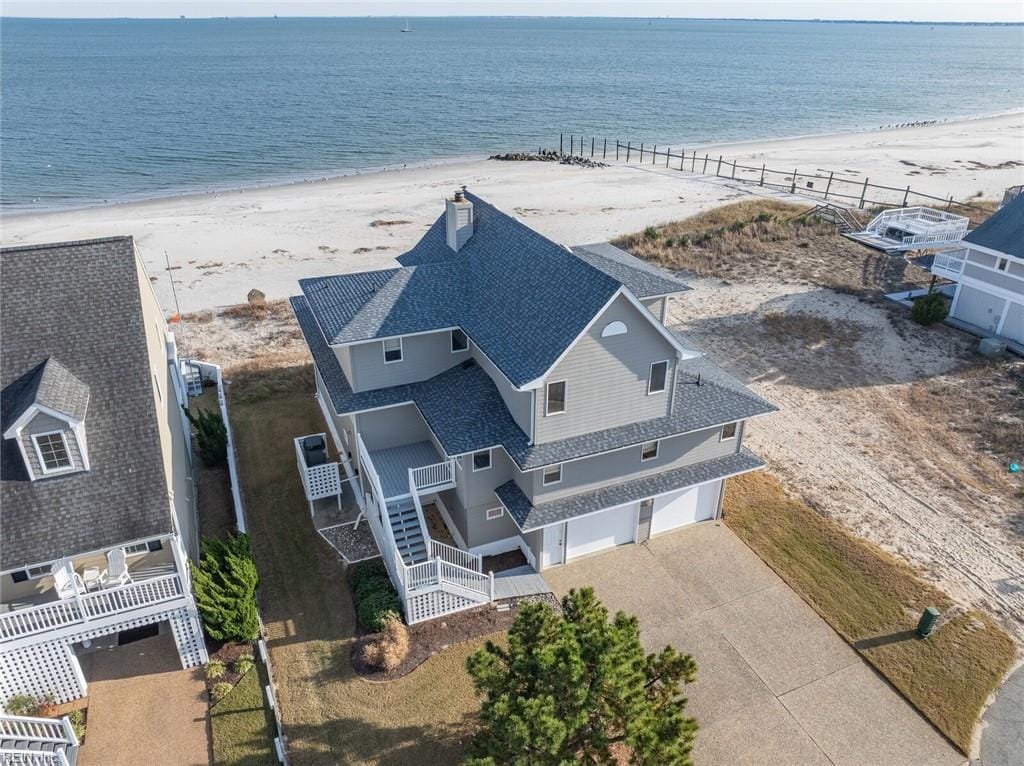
[775, 684]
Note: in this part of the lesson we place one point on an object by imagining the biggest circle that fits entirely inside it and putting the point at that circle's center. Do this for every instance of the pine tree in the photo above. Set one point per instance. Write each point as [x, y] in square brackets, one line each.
[225, 589]
[211, 434]
[579, 688]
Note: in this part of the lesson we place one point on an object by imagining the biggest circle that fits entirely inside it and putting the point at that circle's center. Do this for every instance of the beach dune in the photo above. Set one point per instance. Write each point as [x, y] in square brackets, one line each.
[219, 246]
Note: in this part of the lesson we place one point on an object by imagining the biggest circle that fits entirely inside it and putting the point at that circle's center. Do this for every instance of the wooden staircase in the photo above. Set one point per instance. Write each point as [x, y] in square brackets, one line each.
[410, 538]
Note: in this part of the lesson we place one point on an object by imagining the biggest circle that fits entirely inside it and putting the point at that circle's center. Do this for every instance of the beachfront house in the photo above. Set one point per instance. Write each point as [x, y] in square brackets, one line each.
[518, 398]
[97, 501]
[987, 267]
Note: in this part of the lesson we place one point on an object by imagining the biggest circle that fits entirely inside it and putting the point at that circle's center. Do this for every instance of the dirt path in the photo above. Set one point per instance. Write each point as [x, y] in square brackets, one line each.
[853, 439]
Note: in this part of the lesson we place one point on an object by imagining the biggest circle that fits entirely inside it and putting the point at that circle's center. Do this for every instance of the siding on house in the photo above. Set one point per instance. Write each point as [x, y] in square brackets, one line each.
[1013, 326]
[392, 427]
[979, 308]
[625, 464]
[344, 355]
[423, 356]
[999, 279]
[657, 307]
[474, 495]
[607, 377]
[980, 258]
[519, 403]
[41, 424]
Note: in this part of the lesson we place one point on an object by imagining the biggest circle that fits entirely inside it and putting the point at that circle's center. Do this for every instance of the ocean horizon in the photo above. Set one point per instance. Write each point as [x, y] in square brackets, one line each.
[102, 111]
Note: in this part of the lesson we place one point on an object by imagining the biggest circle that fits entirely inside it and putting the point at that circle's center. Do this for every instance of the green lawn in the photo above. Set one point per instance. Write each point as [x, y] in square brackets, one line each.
[241, 725]
[874, 600]
[331, 715]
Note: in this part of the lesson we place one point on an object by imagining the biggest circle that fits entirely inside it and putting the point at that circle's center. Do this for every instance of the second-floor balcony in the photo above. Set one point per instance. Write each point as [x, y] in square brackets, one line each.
[412, 465]
[950, 264]
[86, 590]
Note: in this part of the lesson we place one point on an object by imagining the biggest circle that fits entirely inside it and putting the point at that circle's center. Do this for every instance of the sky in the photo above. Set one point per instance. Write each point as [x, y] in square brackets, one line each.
[879, 10]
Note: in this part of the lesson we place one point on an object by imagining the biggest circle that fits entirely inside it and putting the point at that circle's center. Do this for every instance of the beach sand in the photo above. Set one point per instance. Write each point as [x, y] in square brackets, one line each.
[219, 246]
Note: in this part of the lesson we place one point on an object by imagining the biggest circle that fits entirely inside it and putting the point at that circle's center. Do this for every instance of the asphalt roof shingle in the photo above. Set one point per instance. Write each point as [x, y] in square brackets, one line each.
[502, 288]
[89, 356]
[1003, 230]
[529, 516]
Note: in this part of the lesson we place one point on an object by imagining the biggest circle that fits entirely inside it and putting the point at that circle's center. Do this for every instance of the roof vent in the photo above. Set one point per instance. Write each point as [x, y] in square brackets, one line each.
[458, 220]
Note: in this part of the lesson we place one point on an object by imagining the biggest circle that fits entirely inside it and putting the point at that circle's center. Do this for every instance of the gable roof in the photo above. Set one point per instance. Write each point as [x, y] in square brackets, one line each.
[1003, 230]
[639, 277]
[86, 356]
[521, 297]
[465, 411]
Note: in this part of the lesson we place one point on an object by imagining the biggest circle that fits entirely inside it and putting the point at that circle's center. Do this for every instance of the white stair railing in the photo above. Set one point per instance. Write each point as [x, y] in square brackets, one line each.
[428, 477]
[457, 556]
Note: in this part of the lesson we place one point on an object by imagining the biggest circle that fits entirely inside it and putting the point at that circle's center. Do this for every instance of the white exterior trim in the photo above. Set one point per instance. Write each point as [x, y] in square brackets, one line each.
[547, 398]
[650, 377]
[384, 351]
[31, 411]
[657, 450]
[69, 468]
[544, 482]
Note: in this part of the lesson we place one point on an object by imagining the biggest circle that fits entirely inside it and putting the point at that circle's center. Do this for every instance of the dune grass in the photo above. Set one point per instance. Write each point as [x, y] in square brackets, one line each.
[874, 601]
[331, 715]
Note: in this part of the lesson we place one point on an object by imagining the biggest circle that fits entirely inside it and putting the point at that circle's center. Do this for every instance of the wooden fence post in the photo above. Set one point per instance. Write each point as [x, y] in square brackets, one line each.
[693, 161]
[629, 146]
[734, 168]
[762, 175]
[829, 184]
[591, 146]
[949, 205]
[705, 171]
[906, 194]
[616, 150]
[792, 189]
[641, 152]
[561, 143]
[572, 144]
[654, 154]
[863, 191]
[719, 168]
[668, 156]
[682, 158]
[604, 152]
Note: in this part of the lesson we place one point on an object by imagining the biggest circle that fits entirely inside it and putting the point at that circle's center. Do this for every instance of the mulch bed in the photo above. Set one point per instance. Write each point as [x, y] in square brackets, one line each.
[227, 653]
[428, 638]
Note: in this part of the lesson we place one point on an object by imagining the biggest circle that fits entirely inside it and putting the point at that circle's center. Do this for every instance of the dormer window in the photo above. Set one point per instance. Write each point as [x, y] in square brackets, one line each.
[52, 451]
[392, 350]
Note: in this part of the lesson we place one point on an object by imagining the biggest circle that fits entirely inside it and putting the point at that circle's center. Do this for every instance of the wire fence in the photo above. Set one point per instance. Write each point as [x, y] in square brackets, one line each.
[840, 189]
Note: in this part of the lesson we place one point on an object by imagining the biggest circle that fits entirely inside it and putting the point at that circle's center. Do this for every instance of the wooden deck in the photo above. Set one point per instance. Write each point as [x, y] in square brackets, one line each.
[393, 465]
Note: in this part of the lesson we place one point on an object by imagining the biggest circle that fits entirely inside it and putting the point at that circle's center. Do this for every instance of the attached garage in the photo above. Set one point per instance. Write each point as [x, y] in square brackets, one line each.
[600, 531]
[685, 507]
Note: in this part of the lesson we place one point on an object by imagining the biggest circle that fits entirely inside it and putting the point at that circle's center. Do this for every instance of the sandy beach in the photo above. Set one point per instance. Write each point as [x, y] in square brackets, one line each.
[219, 246]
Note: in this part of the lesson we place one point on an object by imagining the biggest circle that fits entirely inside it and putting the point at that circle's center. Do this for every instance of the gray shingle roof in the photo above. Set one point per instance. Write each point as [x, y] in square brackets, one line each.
[79, 303]
[51, 385]
[481, 419]
[529, 516]
[1003, 230]
[501, 288]
[641, 278]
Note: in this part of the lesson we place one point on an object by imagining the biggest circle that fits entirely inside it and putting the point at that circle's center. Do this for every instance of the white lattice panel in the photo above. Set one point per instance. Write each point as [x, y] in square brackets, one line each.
[188, 636]
[45, 668]
[438, 603]
[322, 481]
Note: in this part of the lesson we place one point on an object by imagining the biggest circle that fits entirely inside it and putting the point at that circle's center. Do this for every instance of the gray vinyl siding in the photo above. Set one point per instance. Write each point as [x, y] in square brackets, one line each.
[343, 424]
[979, 308]
[622, 465]
[423, 356]
[998, 278]
[534, 541]
[980, 258]
[519, 403]
[657, 307]
[392, 427]
[1017, 269]
[41, 424]
[475, 493]
[607, 377]
[344, 355]
[1013, 326]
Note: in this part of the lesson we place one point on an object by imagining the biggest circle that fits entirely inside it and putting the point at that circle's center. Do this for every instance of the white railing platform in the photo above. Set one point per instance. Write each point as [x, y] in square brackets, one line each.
[951, 262]
[318, 481]
[430, 478]
[89, 606]
[912, 228]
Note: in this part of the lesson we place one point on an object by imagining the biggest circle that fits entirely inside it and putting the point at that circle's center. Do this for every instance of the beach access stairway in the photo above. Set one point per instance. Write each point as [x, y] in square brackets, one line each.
[432, 578]
[30, 741]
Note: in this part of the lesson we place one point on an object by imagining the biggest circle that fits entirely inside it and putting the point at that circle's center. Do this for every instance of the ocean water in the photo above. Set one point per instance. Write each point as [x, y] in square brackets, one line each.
[109, 110]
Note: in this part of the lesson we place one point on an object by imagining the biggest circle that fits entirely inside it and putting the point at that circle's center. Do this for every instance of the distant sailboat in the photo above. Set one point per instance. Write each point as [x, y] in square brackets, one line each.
[406, 28]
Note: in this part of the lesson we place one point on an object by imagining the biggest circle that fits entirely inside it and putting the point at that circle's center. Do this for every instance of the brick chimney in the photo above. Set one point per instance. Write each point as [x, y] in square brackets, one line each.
[458, 213]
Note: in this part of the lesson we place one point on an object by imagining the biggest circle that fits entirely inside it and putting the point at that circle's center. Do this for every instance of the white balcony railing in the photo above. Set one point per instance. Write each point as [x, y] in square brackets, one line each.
[85, 607]
[457, 556]
[952, 262]
[429, 477]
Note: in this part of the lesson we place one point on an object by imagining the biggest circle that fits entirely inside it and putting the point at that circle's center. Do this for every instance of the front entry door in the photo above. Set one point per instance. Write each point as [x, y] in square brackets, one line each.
[643, 524]
[554, 545]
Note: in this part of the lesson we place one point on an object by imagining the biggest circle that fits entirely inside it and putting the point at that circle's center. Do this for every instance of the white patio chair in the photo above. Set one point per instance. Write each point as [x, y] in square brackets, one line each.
[66, 581]
[117, 569]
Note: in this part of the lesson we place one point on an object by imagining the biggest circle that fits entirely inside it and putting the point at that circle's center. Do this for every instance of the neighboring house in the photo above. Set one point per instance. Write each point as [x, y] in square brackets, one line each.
[988, 269]
[530, 391]
[97, 501]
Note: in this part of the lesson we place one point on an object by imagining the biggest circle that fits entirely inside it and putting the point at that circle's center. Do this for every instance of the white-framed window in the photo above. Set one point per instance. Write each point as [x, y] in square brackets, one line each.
[1002, 264]
[657, 381]
[32, 573]
[551, 475]
[554, 402]
[495, 513]
[52, 450]
[649, 451]
[139, 548]
[392, 350]
[482, 460]
[728, 431]
[459, 341]
[614, 328]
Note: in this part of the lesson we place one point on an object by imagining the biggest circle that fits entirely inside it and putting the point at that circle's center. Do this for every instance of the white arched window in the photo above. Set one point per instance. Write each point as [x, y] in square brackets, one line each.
[614, 328]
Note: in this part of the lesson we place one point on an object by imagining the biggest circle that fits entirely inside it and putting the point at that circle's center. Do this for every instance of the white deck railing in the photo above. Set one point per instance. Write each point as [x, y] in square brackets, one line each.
[45, 730]
[952, 261]
[928, 226]
[318, 481]
[429, 477]
[89, 606]
[454, 555]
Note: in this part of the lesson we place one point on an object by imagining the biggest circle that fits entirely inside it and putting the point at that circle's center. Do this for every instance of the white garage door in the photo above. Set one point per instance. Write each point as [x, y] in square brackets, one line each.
[601, 530]
[685, 507]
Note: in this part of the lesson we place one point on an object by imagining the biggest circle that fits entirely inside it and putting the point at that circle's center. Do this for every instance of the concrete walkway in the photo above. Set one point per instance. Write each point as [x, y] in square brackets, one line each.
[1002, 739]
[143, 708]
[775, 684]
